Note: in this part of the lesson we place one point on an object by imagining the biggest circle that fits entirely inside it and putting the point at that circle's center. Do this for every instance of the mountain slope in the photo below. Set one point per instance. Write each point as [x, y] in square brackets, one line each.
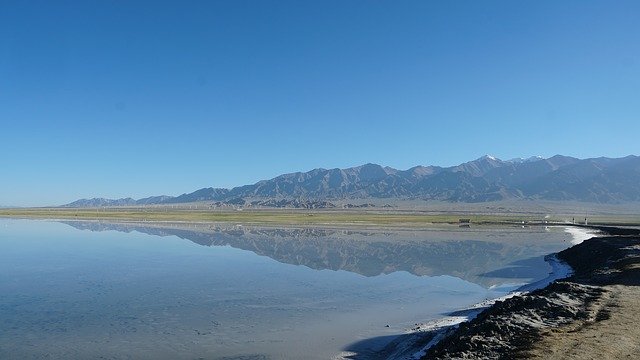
[603, 180]
[98, 202]
[205, 194]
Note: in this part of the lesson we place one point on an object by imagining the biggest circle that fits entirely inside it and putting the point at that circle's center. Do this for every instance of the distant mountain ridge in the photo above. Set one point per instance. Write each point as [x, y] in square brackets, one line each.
[559, 178]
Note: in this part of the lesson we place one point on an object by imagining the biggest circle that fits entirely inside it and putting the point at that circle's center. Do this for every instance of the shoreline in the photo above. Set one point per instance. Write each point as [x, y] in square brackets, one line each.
[606, 275]
[532, 310]
[415, 342]
[555, 266]
[437, 330]
[349, 218]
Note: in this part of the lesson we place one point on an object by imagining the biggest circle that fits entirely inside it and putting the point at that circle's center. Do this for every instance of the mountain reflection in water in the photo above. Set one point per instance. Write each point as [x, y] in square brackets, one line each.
[487, 256]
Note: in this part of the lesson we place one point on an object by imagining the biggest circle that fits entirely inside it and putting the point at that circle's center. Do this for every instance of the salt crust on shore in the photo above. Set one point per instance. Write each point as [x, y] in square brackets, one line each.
[579, 234]
[441, 327]
[408, 346]
[560, 270]
[591, 315]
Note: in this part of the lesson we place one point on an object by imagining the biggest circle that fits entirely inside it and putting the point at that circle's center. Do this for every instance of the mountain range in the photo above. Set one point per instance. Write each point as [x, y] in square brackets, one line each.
[558, 178]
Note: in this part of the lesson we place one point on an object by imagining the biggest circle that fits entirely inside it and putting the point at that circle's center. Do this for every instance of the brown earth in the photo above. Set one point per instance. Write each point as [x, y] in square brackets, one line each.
[615, 335]
[594, 314]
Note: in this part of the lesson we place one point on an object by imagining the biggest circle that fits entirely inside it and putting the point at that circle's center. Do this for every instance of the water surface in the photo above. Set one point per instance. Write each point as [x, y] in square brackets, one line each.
[80, 290]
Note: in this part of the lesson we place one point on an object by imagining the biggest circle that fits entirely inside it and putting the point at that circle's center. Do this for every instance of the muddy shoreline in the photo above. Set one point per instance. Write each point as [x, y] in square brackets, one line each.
[581, 309]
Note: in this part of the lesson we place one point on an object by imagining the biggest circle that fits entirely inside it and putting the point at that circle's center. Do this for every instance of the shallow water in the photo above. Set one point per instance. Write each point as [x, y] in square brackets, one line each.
[177, 291]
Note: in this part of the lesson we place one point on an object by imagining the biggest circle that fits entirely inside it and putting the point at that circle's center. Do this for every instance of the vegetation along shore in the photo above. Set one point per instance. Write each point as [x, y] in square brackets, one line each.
[322, 217]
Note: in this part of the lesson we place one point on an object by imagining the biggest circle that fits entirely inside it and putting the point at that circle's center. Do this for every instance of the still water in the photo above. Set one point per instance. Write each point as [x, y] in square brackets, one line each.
[81, 290]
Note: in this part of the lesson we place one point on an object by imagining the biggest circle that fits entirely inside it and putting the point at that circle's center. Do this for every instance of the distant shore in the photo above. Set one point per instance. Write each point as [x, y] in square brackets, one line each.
[592, 314]
[311, 217]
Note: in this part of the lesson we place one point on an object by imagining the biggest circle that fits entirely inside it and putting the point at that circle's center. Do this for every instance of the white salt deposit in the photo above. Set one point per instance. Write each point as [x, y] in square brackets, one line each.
[580, 234]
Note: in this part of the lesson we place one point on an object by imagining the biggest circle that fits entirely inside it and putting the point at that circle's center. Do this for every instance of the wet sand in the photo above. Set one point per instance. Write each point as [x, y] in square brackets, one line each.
[591, 315]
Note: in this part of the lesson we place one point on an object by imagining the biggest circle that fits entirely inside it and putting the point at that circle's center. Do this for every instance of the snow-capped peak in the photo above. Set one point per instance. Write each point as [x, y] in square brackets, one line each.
[489, 157]
[527, 160]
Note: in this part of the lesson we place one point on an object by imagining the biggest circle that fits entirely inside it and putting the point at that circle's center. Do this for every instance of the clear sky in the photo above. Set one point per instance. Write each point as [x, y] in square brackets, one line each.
[139, 98]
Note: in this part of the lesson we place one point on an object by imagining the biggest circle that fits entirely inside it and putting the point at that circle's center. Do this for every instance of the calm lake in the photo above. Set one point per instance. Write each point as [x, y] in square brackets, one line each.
[83, 290]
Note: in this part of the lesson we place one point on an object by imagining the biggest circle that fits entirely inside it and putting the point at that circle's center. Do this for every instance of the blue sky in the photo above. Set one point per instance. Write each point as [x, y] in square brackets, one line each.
[135, 98]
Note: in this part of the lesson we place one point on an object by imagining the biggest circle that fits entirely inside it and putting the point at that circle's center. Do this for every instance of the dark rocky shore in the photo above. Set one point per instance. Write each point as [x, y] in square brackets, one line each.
[551, 322]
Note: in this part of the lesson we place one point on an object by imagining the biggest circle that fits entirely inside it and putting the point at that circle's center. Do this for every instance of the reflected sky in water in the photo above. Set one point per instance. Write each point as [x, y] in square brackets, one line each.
[88, 289]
